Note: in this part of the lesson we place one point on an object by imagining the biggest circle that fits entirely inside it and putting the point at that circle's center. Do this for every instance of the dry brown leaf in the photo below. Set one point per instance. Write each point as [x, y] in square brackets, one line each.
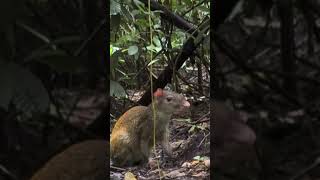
[193, 163]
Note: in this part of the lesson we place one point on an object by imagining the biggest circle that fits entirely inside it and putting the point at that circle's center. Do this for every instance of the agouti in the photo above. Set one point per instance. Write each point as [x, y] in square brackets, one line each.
[132, 136]
[230, 125]
[233, 142]
[83, 161]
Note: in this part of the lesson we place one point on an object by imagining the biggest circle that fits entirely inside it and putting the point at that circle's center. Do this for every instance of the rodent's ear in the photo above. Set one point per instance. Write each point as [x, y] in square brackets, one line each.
[158, 93]
[185, 103]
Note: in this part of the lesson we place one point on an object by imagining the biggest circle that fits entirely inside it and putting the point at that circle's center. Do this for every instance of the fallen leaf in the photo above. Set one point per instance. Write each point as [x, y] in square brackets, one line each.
[200, 174]
[129, 176]
[116, 176]
[207, 162]
[193, 163]
[296, 113]
[175, 173]
[186, 164]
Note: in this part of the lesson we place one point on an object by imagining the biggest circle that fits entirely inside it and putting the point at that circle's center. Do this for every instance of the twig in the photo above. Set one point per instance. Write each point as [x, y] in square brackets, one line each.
[202, 119]
[117, 168]
[306, 170]
[91, 36]
[203, 139]
[7, 172]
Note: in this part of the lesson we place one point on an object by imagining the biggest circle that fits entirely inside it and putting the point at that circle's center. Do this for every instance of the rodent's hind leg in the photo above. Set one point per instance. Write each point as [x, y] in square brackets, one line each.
[120, 155]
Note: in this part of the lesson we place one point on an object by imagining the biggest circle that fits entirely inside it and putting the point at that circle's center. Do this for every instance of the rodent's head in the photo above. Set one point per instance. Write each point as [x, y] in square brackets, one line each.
[170, 102]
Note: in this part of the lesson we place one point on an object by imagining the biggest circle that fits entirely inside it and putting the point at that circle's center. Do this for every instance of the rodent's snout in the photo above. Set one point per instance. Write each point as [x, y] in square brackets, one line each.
[186, 103]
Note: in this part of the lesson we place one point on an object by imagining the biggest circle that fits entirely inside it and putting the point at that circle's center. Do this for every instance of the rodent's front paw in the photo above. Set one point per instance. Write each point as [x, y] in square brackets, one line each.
[152, 163]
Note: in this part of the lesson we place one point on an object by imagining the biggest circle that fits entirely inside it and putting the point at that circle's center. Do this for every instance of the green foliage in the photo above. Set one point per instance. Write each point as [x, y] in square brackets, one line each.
[201, 158]
[155, 46]
[58, 60]
[131, 34]
[193, 126]
[115, 7]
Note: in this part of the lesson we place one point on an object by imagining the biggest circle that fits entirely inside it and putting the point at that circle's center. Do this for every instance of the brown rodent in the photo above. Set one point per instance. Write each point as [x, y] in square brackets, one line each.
[132, 135]
[83, 161]
[233, 141]
[230, 125]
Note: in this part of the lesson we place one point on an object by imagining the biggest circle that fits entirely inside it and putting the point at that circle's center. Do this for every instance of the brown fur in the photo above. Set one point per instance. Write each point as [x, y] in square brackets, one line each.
[83, 161]
[132, 136]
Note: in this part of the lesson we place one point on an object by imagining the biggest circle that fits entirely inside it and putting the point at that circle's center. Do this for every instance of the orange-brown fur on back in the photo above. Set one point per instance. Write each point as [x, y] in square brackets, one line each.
[132, 115]
[83, 161]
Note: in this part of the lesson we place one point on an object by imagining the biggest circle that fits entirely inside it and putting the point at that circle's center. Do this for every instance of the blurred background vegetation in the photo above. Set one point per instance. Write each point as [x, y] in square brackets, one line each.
[53, 75]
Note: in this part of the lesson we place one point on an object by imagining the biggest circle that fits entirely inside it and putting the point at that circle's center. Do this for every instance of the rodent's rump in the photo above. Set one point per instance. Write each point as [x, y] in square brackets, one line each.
[83, 161]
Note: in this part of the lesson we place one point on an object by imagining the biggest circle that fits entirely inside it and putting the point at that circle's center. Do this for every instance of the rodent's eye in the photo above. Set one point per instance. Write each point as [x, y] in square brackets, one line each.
[169, 99]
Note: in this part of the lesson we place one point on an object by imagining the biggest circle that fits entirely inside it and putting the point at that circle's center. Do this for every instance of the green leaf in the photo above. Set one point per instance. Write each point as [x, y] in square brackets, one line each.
[153, 61]
[197, 158]
[117, 90]
[20, 87]
[35, 33]
[204, 8]
[133, 50]
[153, 48]
[135, 12]
[115, 7]
[192, 128]
[156, 41]
[113, 49]
[200, 158]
